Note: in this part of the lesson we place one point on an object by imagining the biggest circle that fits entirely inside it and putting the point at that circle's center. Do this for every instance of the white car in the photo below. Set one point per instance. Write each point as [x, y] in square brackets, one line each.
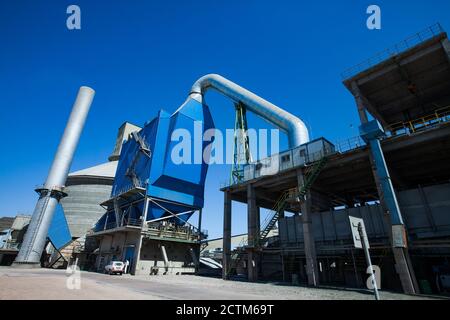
[115, 267]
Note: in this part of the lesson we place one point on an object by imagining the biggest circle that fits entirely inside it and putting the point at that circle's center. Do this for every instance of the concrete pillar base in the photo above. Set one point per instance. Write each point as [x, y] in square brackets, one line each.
[404, 270]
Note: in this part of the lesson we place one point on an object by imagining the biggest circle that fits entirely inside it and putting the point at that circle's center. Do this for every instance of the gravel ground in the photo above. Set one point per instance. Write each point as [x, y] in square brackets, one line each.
[51, 284]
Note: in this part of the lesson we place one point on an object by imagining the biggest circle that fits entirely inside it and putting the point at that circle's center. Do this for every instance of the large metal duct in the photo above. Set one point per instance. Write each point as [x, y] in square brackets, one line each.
[293, 126]
[52, 191]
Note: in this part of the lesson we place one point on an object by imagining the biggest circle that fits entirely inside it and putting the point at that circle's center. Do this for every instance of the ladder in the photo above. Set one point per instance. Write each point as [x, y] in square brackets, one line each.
[131, 173]
[312, 172]
[277, 208]
[142, 144]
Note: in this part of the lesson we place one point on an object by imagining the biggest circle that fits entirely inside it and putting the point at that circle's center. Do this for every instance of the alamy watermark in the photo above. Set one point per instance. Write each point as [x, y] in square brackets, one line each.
[215, 147]
[73, 281]
[73, 21]
[374, 20]
[375, 278]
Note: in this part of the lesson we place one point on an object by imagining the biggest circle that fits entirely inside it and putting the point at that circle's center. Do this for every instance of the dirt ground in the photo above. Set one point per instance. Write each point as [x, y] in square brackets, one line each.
[57, 284]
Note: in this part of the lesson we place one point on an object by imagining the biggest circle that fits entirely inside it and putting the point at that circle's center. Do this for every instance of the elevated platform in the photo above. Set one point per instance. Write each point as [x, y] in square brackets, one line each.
[410, 80]
[347, 177]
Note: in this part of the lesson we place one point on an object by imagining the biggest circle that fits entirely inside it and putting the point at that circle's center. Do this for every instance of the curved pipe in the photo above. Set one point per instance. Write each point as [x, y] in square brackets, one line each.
[293, 126]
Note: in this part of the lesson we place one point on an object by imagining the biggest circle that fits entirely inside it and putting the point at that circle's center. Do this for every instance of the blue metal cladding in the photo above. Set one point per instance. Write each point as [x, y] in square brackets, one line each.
[177, 187]
[59, 233]
[371, 132]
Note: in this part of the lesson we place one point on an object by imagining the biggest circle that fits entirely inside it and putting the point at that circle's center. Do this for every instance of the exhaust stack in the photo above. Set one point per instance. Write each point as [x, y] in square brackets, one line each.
[52, 191]
[293, 126]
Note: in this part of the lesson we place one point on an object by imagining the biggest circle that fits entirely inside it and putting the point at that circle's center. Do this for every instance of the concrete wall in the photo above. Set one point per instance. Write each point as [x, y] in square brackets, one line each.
[426, 216]
[178, 254]
[113, 246]
[82, 206]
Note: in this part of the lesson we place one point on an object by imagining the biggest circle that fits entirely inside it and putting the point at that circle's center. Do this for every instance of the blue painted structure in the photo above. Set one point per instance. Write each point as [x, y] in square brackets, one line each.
[371, 132]
[146, 165]
[59, 233]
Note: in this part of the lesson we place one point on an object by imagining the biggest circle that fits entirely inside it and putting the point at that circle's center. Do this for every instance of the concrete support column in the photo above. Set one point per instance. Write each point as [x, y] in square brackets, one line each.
[198, 248]
[388, 201]
[253, 236]
[226, 254]
[136, 255]
[138, 245]
[359, 103]
[312, 270]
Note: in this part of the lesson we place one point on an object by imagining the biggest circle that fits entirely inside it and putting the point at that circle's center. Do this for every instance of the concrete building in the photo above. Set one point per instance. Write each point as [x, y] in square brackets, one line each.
[11, 236]
[396, 176]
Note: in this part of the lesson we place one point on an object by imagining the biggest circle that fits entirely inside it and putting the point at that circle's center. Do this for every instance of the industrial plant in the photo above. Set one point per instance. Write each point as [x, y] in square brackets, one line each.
[138, 206]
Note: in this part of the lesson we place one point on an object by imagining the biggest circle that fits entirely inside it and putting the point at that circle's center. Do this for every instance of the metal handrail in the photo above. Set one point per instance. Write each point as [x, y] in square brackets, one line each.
[397, 49]
[407, 127]
[349, 144]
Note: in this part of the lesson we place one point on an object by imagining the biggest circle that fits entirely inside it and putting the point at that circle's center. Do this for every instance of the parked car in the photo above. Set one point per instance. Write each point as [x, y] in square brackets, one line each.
[115, 267]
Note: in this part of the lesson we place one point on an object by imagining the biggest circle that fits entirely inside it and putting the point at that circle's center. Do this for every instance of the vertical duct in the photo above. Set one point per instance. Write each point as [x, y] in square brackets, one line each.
[52, 191]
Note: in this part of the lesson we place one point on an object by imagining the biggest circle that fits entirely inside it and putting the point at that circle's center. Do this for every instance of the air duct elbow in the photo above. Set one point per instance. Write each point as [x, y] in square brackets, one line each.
[293, 126]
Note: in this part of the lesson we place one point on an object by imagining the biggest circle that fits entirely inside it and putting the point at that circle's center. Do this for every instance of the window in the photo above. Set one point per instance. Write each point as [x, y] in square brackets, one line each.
[303, 153]
[286, 158]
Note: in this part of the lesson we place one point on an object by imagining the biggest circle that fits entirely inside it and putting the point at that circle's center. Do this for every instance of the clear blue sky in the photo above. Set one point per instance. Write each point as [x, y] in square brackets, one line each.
[141, 56]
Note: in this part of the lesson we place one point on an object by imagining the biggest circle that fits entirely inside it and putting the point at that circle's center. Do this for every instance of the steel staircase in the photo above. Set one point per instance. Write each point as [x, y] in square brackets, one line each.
[279, 206]
[142, 144]
[312, 172]
[131, 173]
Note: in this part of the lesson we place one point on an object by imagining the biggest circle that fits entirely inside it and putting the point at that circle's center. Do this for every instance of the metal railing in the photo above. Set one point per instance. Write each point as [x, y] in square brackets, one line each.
[173, 231]
[137, 184]
[395, 50]
[11, 245]
[408, 127]
[349, 144]
[275, 163]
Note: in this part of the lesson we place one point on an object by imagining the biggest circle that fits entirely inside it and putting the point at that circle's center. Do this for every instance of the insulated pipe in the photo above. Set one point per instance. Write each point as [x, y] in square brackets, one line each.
[293, 126]
[52, 191]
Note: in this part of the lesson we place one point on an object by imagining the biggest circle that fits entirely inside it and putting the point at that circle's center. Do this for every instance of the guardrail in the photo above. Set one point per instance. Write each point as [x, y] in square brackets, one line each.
[11, 245]
[349, 144]
[173, 231]
[408, 127]
[395, 50]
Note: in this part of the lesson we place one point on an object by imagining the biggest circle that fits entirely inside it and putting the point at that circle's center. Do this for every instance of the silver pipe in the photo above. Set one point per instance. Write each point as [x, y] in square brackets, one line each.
[166, 260]
[293, 126]
[52, 191]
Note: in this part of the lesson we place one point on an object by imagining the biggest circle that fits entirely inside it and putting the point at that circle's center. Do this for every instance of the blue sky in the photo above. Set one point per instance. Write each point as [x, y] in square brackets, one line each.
[141, 56]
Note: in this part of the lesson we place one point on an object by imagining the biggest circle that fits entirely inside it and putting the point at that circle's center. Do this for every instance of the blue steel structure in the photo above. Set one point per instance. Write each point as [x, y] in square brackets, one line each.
[371, 132]
[147, 170]
[59, 233]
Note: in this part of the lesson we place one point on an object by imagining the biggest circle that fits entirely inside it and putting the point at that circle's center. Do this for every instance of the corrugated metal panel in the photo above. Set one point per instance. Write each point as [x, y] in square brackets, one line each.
[336, 224]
